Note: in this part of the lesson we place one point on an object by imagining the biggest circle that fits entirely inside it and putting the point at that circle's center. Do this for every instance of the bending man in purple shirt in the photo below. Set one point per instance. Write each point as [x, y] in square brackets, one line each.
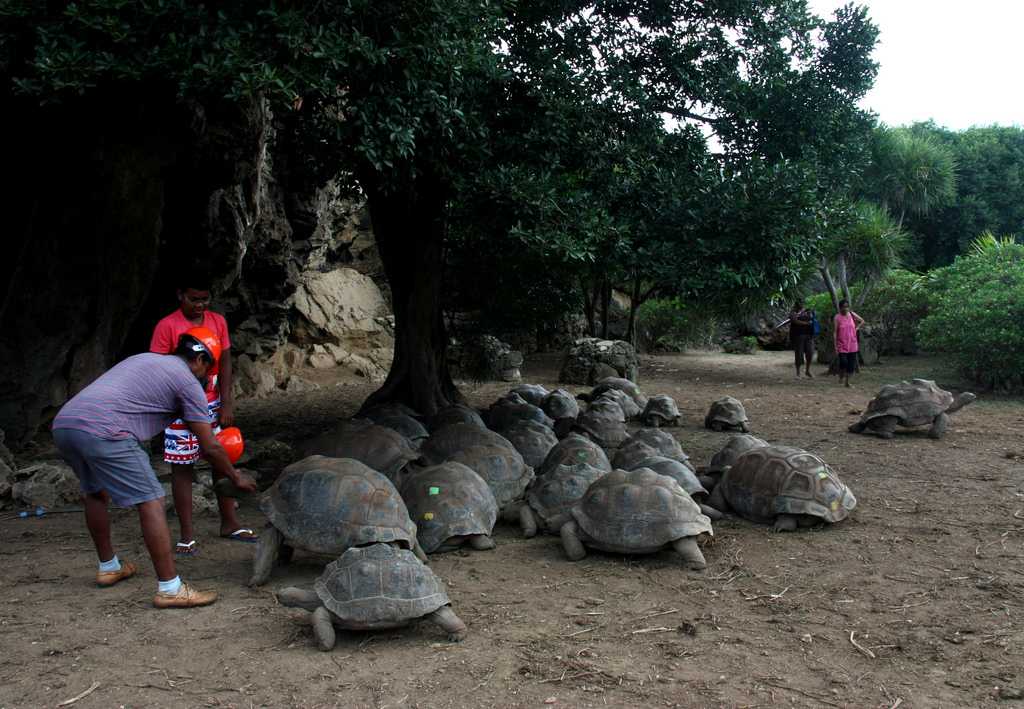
[99, 433]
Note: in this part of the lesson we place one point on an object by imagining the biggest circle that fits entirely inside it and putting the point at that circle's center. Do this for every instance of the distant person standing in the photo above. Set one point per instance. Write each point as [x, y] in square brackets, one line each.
[801, 336]
[844, 330]
[181, 447]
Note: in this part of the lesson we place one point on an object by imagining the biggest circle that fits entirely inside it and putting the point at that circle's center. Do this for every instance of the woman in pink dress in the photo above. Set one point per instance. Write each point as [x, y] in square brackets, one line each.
[844, 330]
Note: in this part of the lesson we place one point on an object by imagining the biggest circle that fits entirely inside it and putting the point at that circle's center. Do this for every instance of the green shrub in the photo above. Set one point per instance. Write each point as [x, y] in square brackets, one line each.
[671, 325]
[740, 345]
[977, 314]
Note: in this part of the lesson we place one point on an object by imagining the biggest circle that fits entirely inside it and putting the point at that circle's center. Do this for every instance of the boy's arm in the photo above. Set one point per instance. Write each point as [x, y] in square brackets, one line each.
[227, 398]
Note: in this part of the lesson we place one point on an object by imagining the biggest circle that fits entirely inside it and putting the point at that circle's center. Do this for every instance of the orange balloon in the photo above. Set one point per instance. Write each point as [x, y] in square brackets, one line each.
[231, 439]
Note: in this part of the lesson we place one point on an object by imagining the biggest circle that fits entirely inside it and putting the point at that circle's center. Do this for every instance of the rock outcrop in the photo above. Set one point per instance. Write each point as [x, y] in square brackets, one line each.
[590, 359]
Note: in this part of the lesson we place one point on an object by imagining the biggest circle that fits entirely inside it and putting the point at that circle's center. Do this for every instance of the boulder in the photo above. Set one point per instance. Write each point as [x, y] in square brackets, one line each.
[204, 502]
[46, 484]
[486, 358]
[590, 359]
[253, 379]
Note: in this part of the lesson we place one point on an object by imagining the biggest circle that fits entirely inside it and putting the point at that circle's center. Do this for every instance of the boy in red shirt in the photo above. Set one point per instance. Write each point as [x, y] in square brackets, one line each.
[181, 448]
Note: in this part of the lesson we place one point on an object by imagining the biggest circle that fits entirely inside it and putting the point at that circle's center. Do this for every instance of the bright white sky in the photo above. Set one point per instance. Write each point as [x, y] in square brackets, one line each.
[957, 62]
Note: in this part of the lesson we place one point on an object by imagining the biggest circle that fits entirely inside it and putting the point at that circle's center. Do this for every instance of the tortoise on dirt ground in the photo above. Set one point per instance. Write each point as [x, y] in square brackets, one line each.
[501, 467]
[736, 446]
[533, 441]
[456, 413]
[727, 414]
[452, 506]
[413, 431]
[918, 402]
[617, 383]
[645, 443]
[530, 393]
[629, 407]
[383, 449]
[559, 405]
[326, 505]
[683, 474]
[575, 449]
[785, 486]
[372, 588]
[549, 498]
[505, 413]
[638, 512]
[456, 437]
[661, 410]
[607, 431]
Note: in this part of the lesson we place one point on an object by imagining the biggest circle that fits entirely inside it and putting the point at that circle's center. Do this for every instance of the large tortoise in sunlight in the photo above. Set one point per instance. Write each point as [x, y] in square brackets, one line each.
[371, 588]
[918, 402]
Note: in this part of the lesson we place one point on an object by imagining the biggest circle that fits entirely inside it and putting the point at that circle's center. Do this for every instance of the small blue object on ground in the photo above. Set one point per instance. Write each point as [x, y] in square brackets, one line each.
[38, 512]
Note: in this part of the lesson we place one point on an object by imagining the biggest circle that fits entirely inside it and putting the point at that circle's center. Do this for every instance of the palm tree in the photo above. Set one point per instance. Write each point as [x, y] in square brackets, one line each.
[910, 172]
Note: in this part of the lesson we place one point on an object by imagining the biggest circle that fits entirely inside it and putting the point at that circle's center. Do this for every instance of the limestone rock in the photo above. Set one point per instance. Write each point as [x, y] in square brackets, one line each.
[580, 365]
[253, 379]
[298, 385]
[47, 484]
[486, 358]
[204, 502]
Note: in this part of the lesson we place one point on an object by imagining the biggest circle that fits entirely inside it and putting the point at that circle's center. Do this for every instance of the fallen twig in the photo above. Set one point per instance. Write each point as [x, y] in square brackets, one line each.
[800, 691]
[92, 688]
[860, 647]
[769, 596]
[899, 700]
[655, 615]
[651, 630]
[585, 630]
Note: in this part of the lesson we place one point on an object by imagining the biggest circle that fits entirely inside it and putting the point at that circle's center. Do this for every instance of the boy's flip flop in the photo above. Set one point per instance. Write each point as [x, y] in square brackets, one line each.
[186, 548]
[242, 535]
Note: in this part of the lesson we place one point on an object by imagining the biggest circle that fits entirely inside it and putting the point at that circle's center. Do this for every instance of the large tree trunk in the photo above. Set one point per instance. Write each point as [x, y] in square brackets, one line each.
[409, 226]
[589, 304]
[634, 303]
[606, 303]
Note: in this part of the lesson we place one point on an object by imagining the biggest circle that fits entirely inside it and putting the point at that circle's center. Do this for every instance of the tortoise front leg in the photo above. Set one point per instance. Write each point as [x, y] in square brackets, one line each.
[527, 522]
[692, 556]
[883, 426]
[785, 523]
[711, 512]
[449, 622]
[480, 542]
[939, 426]
[323, 628]
[418, 551]
[267, 547]
[571, 542]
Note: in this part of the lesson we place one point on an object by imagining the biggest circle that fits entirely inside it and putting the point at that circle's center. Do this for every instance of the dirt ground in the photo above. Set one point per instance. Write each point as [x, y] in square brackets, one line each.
[915, 601]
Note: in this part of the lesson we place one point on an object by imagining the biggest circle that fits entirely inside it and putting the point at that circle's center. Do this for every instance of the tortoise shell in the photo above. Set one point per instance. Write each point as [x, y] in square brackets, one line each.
[606, 431]
[630, 453]
[575, 449]
[771, 480]
[727, 412]
[733, 449]
[443, 444]
[413, 431]
[629, 407]
[638, 512]
[661, 410]
[560, 404]
[557, 491]
[501, 467]
[390, 408]
[383, 449]
[623, 385]
[379, 586]
[504, 414]
[456, 413]
[448, 500]
[662, 441]
[327, 505]
[682, 473]
[533, 441]
[530, 393]
[914, 403]
[609, 407]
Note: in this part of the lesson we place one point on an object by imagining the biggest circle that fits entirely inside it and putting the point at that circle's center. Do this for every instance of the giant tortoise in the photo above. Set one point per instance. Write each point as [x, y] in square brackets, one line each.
[326, 505]
[918, 402]
[785, 486]
[638, 512]
[371, 588]
[727, 414]
[451, 505]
